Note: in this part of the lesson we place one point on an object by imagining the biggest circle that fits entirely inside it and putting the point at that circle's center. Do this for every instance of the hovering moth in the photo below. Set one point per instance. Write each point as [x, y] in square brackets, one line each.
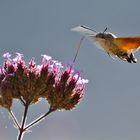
[121, 47]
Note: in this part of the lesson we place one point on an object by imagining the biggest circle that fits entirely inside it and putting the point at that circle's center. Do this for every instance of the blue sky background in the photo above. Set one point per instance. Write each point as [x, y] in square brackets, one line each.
[111, 107]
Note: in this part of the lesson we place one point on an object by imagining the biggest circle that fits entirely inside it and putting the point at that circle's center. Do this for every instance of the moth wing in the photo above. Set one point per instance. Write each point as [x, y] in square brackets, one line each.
[86, 31]
[127, 44]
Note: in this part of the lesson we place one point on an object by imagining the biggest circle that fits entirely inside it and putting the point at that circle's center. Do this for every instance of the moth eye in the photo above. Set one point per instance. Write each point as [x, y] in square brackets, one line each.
[110, 36]
[100, 35]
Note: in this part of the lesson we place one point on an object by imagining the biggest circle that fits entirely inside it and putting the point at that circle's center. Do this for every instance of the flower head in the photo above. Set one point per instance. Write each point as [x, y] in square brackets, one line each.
[63, 89]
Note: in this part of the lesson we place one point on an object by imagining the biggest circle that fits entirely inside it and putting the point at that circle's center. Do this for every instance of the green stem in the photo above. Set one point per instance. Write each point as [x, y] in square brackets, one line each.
[22, 101]
[14, 119]
[21, 130]
[39, 119]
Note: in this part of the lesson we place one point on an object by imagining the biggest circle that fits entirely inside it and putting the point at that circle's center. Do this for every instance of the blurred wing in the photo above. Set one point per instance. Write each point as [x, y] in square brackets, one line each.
[128, 44]
[86, 31]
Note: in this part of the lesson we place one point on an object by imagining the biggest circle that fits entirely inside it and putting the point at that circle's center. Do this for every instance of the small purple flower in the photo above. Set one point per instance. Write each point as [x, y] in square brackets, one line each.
[46, 58]
[2, 75]
[18, 58]
[67, 91]
[7, 55]
[62, 88]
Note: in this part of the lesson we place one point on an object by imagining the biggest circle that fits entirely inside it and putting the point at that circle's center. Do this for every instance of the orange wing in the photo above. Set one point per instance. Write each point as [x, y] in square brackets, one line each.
[128, 44]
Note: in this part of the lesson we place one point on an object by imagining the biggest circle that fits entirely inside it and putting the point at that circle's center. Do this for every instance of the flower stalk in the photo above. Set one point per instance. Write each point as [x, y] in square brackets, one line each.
[21, 130]
[16, 123]
[39, 119]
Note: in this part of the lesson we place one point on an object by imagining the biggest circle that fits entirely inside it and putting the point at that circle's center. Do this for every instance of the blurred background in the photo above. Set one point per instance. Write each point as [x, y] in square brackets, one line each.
[111, 107]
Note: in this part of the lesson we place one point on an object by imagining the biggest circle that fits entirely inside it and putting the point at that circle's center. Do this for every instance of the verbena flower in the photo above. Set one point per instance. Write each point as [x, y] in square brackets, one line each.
[62, 88]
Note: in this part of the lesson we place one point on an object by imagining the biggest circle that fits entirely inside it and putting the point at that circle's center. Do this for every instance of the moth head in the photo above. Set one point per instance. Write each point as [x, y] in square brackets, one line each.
[105, 36]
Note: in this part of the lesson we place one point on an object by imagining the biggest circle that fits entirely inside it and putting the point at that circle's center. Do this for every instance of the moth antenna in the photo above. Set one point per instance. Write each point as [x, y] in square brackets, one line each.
[88, 28]
[105, 30]
[78, 47]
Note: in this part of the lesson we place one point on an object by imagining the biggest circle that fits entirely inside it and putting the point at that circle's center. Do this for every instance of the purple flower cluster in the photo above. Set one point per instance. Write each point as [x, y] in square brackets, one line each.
[63, 89]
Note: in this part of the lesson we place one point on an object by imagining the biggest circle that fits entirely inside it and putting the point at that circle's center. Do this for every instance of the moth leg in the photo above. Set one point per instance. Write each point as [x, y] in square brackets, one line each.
[110, 55]
[132, 57]
[128, 57]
